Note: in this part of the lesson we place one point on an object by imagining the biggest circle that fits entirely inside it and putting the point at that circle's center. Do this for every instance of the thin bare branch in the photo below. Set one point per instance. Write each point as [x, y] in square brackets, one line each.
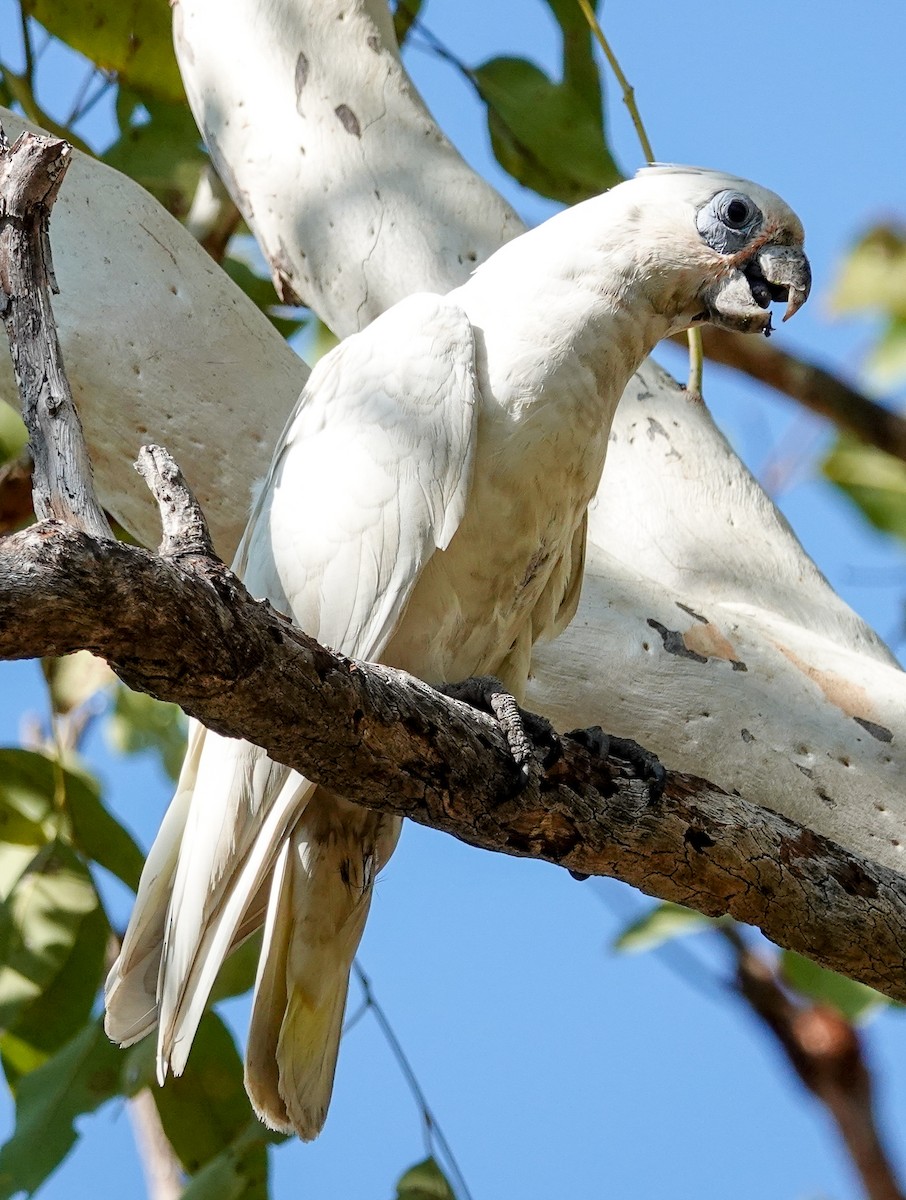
[31, 173]
[812, 386]
[826, 1053]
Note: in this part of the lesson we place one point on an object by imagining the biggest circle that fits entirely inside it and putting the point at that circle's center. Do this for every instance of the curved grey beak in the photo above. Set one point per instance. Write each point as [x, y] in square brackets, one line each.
[784, 273]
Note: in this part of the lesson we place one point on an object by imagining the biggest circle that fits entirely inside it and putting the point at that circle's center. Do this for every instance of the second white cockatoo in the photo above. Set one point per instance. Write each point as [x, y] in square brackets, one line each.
[426, 508]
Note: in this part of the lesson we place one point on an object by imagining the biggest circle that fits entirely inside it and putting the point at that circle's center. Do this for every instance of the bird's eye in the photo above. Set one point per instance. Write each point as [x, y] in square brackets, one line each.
[728, 221]
[735, 211]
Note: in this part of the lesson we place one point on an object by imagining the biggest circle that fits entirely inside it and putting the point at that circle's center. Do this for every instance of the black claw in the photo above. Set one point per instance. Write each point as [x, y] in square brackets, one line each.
[647, 766]
[531, 739]
[581, 876]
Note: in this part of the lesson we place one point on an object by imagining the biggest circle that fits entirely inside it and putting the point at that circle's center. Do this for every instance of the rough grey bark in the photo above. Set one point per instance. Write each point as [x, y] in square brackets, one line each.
[31, 172]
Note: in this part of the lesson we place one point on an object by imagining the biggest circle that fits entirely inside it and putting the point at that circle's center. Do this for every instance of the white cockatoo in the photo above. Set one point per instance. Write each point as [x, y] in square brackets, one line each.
[425, 507]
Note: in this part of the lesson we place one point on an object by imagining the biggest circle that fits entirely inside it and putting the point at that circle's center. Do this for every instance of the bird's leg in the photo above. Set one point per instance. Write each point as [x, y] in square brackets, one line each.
[531, 739]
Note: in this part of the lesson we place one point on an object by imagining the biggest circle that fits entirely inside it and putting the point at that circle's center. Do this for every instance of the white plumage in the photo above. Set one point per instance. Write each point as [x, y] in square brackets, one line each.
[426, 506]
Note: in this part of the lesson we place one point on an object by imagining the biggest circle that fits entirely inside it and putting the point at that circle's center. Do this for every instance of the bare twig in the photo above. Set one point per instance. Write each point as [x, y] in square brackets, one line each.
[162, 1169]
[825, 1051]
[31, 173]
[626, 87]
[435, 1139]
[812, 386]
[213, 217]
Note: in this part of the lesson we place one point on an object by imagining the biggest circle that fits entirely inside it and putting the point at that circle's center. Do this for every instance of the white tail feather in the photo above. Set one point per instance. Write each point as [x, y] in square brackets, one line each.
[130, 993]
[320, 898]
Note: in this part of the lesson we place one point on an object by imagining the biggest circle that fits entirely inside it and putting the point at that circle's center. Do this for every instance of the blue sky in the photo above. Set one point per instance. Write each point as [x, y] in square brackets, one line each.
[555, 1067]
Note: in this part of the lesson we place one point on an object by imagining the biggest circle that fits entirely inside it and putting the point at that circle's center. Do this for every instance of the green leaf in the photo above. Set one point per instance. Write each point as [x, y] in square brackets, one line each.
[75, 678]
[55, 1016]
[404, 14]
[660, 924]
[886, 361]
[131, 37]
[100, 837]
[205, 1110]
[78, 1079]
[580, 70]
[873, 277]
[160, 148]
[424, 1181]
[260, 290]
[139, 722]
[28, 785]
[544, 134]
[237, 1173]
[854, 1000]
[13, 434]
[873, 480]
[46, 909]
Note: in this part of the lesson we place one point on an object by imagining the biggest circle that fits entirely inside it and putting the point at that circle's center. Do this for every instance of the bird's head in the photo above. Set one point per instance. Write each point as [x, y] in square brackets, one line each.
[725, 249]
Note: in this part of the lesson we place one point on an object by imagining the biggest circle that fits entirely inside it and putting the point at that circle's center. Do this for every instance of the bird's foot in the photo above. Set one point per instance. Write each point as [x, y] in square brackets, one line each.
[532, 741]
[645, 765]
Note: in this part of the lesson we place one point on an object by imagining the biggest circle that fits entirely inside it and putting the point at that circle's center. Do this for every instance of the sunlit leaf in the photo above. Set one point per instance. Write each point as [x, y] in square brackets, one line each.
[75, 678]
[873, 276]
[59, 1012]
[139, 722]
[13, 434]
[660, 924]
[886, 361]
[160, 147]
[854, 1000]
[46, 907]
[28, 784]
[424, 1181]
[131, 37]
[76, 1080]
[544, 133]
[873, 480]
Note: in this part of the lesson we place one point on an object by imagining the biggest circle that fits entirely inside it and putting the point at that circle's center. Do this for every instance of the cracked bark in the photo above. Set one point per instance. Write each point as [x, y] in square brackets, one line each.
[183, 628]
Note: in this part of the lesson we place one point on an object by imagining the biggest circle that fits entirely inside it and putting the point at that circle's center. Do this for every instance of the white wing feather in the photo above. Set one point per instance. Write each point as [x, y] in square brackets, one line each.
[370, 477]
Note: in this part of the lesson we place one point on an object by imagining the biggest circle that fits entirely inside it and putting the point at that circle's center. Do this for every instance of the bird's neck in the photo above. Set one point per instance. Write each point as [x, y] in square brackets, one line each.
[573, 329]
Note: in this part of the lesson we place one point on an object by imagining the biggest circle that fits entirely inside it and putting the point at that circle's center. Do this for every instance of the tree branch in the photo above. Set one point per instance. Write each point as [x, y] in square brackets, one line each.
[31, 173]
[184, 629]
[812, 386]
[181, 626]
[826, 1053]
